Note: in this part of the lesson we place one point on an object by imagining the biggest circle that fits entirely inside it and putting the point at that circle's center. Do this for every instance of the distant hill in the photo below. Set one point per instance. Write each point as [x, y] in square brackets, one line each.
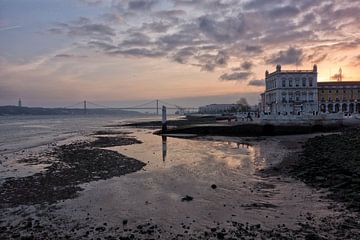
[14, 110]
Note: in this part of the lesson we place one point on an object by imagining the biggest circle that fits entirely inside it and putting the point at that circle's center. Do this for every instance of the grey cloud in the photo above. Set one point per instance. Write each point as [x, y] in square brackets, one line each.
[137, 39]
[253, 49]
[170, 15]
[84, 28]
[290, 56]
[228, 30]
[141, 4]
[247, 65]
[91, 2]
[65, 55]
[261, 4]
[91, 29]
[112, 17]
[139, 52]
[182, 56]
[284, 12]
[317, 57]
[207, 4]
[236, 76]
[180, 39]
[256, 83]
[104, 46]
[208, 62]
[155, 27]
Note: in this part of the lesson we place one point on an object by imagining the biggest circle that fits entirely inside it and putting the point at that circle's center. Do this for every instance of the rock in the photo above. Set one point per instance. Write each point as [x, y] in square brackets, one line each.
[187, 198]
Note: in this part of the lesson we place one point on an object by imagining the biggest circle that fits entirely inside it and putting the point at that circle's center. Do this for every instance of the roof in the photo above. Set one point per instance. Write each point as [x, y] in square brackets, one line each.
[335, 83]
[292, 72]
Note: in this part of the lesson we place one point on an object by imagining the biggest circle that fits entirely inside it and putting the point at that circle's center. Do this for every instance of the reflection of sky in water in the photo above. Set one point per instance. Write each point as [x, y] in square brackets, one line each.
[166, 152]
[190, 168]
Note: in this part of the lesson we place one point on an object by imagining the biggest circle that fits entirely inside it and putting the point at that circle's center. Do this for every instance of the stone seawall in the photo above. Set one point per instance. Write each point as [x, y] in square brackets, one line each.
[254, 129]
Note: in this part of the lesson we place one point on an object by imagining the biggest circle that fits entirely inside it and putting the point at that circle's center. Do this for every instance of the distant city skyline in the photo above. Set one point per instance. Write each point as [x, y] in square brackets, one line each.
[194, 51]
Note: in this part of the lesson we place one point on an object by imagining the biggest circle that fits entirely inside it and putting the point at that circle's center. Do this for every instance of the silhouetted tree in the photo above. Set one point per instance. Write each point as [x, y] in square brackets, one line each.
[243, 105]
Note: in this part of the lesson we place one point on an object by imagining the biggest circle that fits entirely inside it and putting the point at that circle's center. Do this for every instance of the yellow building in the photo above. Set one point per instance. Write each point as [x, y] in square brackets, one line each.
[339, 96]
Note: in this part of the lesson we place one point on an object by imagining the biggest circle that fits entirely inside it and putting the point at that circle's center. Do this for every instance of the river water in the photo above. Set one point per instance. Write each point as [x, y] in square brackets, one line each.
[175, 168]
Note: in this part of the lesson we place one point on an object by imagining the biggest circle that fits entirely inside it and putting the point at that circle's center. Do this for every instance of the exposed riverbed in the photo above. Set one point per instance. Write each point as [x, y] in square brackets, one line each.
[207, 187]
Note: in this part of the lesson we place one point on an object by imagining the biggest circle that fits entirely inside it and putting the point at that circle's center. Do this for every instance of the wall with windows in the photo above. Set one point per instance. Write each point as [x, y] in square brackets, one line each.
[339, 97]
[290, 92]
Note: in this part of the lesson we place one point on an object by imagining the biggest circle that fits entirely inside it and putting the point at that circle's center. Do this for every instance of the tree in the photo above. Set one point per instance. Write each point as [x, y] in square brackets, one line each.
[243, 105]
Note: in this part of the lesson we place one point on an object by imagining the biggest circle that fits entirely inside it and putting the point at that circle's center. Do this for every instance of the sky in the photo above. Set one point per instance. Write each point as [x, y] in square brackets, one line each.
[193, 52]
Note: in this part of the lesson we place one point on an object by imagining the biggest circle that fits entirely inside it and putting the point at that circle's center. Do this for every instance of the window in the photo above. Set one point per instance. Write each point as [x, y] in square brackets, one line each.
[297, 82]
[297, 96]
[337, 91]
[304, 82]
[311, 96]
[283, 82]
[291, 83]
[303, 97]
[329, 91]
[311, 82]
[291, 97]
[284, 96]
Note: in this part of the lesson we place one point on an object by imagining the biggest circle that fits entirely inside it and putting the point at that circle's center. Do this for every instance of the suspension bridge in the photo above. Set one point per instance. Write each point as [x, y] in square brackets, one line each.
[151, 105]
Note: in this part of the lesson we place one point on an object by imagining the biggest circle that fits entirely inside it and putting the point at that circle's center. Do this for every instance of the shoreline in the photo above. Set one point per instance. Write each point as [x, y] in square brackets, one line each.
[308, 229]
[329, 162]
[68, 166]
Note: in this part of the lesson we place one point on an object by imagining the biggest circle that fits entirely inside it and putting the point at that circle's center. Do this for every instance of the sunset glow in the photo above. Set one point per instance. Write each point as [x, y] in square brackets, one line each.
[55, 52]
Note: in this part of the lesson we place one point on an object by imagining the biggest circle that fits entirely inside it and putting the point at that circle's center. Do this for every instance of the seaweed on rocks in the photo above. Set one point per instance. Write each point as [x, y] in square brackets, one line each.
[331, 162]
[75, 164]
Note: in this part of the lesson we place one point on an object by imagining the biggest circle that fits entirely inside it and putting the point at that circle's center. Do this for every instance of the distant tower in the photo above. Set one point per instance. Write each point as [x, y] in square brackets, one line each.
[340, 76]
[19, 103]
[85, 108]
[315, 68]
[278, 68]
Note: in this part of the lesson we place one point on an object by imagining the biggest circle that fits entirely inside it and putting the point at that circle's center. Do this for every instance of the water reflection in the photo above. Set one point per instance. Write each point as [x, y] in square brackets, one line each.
[164, 147]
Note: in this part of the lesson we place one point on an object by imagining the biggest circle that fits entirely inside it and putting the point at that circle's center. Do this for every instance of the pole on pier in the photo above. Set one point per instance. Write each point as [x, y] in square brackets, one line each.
[164, 124]
[85, 106]
[157, 107]
[164, 147]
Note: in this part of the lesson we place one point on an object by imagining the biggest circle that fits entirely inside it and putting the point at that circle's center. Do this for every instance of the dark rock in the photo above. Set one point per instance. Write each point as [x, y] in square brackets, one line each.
[187, 198]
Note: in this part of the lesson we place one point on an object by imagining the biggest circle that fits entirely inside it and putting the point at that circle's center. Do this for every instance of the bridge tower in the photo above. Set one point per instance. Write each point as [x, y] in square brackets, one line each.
[157, 106]
[85, 106]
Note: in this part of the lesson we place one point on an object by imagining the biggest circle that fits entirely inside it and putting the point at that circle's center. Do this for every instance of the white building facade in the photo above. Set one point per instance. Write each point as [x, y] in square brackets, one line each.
[290, 92]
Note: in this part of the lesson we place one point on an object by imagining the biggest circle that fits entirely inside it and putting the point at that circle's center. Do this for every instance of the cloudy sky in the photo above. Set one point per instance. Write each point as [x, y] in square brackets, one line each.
[54, 52]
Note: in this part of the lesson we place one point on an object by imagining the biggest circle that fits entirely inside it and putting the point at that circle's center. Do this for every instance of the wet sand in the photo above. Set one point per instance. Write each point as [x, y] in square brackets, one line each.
[226, 194]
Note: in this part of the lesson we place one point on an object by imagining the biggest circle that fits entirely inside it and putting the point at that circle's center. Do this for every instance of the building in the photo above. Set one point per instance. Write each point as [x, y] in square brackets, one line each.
[290, 92]
[218, 108]
[339, 96]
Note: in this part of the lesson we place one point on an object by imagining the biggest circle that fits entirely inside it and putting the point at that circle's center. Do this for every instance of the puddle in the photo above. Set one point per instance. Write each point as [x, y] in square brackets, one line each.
[177, 168]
